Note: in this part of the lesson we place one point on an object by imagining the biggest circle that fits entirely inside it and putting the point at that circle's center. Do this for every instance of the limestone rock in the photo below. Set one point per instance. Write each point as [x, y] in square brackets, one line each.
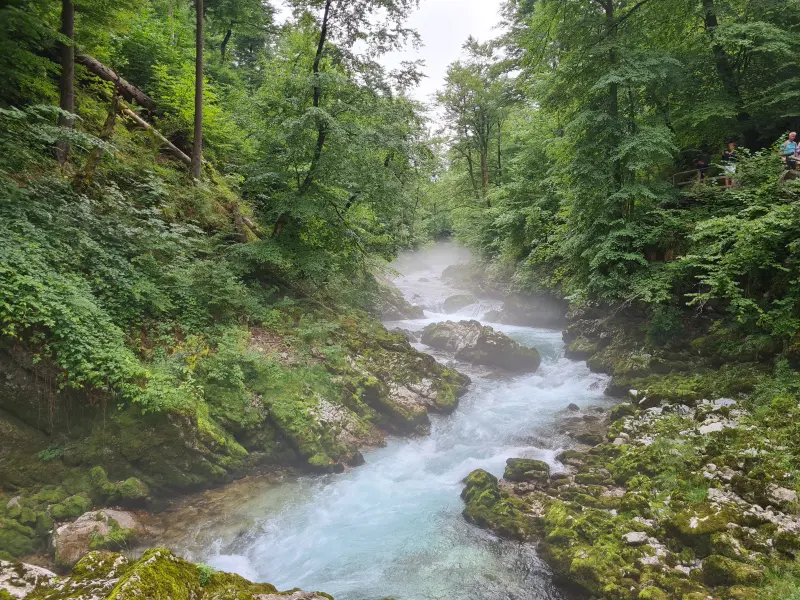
[97, 529]
[581, 349]
[635, 538]
[406, 333]
[293, 596]
[780, 496]
[478, 344]
[719, 570]
[390, 305]
[456, 303]
[20, 579]
[457, 273]
[489, 505]
[532, 311]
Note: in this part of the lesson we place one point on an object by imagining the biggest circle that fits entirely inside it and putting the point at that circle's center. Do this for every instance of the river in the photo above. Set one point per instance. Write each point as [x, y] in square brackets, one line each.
[393, 527]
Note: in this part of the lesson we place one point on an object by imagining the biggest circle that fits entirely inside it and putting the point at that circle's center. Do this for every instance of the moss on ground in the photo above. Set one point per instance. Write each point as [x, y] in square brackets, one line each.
[157, 575]
[672, 505]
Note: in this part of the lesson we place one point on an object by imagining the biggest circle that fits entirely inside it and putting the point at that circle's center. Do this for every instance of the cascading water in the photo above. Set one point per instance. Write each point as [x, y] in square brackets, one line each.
[393, 527]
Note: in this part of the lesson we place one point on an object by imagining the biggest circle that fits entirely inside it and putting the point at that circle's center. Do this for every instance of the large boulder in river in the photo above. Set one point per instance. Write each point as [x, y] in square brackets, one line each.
[531, 311]
[481, 345]
[458, 273]
[456, 303]
[113, 529]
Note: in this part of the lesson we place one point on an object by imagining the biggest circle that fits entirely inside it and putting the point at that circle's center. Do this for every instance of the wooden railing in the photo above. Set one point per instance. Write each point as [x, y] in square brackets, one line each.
[696, 177]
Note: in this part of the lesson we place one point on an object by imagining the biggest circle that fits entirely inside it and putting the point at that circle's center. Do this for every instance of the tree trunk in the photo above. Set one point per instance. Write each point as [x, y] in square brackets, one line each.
[128, 91]
[721, 60]
[484, 168]
[726, 73]
[224, 45]
[483, 148]
[499, 153]
[613, 91]
[322, 129]
[470, 165]
[323, 35]
[197, 147]
[67, 81]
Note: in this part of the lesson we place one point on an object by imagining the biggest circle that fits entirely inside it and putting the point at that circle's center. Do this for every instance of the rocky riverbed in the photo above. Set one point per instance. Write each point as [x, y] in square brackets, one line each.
[689, 490]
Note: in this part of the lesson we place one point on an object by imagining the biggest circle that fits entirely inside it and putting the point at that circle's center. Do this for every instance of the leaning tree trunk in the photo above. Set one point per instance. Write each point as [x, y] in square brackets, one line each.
[127, 90]
[67, 82]
[197, 148]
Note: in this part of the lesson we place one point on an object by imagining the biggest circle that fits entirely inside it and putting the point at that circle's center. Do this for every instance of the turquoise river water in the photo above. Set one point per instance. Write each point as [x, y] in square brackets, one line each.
[393, 527]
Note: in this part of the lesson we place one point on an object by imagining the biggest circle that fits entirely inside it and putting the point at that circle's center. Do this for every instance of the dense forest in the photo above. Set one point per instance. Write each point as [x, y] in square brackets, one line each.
[199, 201]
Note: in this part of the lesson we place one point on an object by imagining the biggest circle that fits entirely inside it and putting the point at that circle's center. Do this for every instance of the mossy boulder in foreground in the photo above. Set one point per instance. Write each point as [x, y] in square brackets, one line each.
[157, 575]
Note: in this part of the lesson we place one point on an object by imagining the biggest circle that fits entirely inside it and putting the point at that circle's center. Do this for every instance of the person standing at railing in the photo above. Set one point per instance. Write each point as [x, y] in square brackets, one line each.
[729, 160]
[789, 151]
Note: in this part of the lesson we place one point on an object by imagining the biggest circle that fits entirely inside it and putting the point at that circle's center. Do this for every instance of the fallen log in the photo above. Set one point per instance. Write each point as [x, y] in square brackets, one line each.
[179, 154]
[127, 90]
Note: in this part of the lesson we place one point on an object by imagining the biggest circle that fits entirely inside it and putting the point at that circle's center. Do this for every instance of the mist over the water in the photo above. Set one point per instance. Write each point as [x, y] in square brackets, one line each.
[393, 527]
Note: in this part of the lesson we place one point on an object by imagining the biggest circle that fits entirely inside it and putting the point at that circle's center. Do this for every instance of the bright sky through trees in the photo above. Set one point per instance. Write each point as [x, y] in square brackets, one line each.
[444, 26]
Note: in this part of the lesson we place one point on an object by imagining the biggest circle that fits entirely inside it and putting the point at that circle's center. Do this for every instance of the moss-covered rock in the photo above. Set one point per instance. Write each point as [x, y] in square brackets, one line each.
[653, 593]
[157, 575]
[17, 539]
[310, 398]
[71, 507]
[695, 526]
[526, 469]
[102, 529]
[18, 580]
[719, 570]
[741, 592]
[387, 302]
[489, 506]
[621, 411]
[581, 349]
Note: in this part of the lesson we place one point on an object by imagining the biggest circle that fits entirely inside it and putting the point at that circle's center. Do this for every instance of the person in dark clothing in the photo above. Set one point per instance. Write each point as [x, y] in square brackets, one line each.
[702, 164]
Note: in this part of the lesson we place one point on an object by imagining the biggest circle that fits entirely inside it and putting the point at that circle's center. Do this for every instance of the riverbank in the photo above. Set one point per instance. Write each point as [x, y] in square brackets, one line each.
[692, 493]
[307, 391]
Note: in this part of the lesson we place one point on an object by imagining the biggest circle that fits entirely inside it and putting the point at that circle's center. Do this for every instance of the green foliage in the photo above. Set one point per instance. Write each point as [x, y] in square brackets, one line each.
[51, 453]
[612, 100]
[206, 572]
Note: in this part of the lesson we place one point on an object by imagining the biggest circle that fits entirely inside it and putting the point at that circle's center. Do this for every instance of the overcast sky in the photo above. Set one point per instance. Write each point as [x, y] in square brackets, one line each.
[444, 26]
